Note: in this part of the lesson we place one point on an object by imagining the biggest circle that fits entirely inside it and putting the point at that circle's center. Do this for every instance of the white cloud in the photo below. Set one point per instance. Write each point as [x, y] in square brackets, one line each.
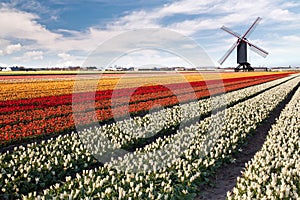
[135, 20]
[35, 55]
[7, 48]
[64, 56]
[31, 56]
[68, 60]
[187, 7]
[13, 48]
[295, 39]
[4, 65]
[22, 25]
[32, 6]
[150, 58]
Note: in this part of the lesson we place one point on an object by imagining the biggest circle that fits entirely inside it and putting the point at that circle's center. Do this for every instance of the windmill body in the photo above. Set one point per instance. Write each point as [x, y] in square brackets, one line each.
[241, 45]
[242, 52]
[242, 57]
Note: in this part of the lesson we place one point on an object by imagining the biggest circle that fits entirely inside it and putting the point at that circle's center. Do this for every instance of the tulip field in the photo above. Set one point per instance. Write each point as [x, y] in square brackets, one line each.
[274, 172]
[151, 136]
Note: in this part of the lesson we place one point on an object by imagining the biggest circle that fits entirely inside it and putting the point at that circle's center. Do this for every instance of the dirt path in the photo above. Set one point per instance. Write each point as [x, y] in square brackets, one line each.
[225, 177]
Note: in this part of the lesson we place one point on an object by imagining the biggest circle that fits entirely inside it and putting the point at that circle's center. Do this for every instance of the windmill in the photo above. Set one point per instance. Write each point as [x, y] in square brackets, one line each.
[241, 45]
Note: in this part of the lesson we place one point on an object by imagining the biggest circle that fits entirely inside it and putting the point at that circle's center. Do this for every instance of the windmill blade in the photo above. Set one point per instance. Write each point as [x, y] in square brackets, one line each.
[230, 31]
[252, 27]
[222, 60]
[257, 50]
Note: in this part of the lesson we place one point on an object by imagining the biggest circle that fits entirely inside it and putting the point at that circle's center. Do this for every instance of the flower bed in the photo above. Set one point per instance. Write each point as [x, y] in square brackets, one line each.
[177, 179]
[274, 172]
[34, 88]
[55, 115]
[188, 156]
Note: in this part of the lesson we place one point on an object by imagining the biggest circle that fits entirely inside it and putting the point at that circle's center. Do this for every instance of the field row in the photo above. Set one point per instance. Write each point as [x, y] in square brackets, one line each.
[27, 168]
[49, 115]
[106, 95]
[34, 88]
[274, 172]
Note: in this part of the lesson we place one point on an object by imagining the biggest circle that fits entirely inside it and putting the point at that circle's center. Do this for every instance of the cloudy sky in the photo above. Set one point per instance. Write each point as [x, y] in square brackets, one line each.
[58, 33]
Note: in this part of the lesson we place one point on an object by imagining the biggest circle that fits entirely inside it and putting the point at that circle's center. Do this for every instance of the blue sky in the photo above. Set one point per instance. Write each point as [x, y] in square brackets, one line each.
[58, 33]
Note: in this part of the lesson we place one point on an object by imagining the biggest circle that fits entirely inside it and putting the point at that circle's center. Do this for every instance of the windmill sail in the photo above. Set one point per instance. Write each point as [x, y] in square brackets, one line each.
[252, 27]
[258, 50]
[230, 31]
[227, 54]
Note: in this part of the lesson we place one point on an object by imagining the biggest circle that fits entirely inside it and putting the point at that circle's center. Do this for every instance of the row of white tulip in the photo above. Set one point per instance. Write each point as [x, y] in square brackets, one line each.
[186, 156]
[37, 165]
[274, 171]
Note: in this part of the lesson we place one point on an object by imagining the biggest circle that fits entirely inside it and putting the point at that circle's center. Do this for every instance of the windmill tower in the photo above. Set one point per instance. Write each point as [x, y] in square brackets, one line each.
[241, 45]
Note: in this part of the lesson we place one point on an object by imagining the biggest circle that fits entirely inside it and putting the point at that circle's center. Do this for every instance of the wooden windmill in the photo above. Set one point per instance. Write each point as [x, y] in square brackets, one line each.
[241, 45]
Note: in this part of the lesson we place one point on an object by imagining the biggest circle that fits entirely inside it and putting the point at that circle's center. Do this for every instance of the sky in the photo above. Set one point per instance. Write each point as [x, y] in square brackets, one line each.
[60, 33]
